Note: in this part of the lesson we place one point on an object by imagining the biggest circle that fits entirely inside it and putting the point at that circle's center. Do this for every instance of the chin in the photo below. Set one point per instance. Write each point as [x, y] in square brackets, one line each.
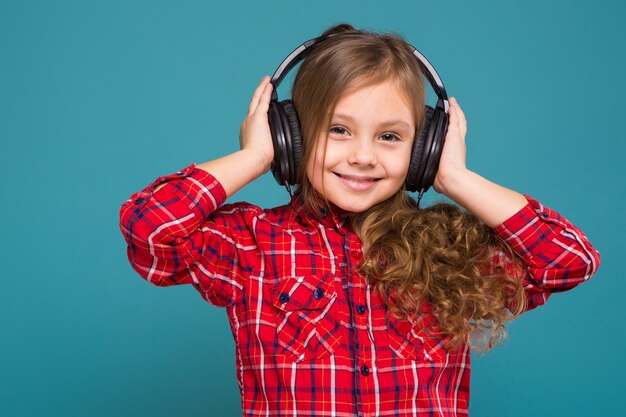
[354, 208]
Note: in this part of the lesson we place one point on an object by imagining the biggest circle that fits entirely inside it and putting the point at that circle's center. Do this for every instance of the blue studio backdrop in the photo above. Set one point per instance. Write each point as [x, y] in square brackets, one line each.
[97, 99]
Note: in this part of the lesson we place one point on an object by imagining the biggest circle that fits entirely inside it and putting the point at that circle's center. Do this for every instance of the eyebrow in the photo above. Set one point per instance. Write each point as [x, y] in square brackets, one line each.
[386, 123]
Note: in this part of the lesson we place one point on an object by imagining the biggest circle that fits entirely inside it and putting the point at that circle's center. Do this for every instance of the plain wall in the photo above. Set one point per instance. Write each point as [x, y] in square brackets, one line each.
[97, 99]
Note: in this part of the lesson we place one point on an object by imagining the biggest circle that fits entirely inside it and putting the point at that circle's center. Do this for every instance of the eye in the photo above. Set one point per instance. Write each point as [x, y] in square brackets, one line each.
[340, 130]
[390, 137]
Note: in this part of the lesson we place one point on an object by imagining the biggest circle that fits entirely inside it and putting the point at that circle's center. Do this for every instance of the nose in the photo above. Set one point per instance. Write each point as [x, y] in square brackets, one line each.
[362, 153]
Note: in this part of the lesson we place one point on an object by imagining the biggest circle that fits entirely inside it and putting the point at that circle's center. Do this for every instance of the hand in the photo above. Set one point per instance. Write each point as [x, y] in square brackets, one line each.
[254, 133]
[453, 156]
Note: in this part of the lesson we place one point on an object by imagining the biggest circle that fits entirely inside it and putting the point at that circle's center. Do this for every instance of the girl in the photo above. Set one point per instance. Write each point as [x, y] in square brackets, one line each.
[350, 300]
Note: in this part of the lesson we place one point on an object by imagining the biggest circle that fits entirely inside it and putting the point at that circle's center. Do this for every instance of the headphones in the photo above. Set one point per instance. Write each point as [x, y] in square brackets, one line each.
[287, 139]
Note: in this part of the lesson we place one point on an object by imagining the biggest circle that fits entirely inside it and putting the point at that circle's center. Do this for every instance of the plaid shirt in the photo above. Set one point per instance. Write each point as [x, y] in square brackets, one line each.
[312, 338]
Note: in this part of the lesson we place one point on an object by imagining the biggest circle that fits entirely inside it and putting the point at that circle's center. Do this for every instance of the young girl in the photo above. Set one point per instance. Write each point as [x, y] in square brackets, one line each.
[350, 300]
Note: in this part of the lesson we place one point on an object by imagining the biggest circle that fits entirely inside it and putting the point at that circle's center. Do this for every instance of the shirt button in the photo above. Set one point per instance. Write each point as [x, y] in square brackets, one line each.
[180, 172]
[365, 370]
[283, 297]
[319, 293]
[360, 309]
[139, 200]
[544, 215]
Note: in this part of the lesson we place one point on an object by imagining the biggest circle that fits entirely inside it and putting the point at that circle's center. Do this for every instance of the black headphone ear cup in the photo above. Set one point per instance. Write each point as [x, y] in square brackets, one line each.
[295, 148]
[438, 130]
[416, 164]
[288, 152]
[280, 163]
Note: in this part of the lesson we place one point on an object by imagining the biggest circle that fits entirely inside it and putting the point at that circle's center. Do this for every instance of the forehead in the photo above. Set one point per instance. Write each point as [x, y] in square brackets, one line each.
[370, 102]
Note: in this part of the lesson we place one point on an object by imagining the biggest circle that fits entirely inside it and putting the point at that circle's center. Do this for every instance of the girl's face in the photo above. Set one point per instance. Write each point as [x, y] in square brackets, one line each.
[367, 148]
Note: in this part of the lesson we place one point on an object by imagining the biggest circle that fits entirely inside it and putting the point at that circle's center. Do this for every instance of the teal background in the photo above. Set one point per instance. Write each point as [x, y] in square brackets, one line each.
[97, 99]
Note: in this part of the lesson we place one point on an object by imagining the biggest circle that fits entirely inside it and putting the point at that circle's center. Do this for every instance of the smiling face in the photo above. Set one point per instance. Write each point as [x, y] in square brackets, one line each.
[363, 157]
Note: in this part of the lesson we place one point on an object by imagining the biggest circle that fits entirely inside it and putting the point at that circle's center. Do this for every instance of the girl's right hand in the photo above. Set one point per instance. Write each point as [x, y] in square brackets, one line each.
[254, 133]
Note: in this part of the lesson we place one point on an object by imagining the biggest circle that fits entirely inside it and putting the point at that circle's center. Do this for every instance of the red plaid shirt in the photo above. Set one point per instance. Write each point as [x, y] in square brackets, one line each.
[312, 338]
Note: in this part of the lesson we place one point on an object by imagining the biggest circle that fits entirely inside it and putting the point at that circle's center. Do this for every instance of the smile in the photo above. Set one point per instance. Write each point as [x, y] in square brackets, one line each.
[357, 182]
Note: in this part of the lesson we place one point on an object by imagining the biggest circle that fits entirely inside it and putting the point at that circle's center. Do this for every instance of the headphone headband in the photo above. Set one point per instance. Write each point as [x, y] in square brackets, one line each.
[299, 53]
[288, 63]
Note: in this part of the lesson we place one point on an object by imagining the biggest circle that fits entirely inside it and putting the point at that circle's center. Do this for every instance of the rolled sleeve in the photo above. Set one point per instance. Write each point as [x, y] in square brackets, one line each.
[558, 254]
[174, 238]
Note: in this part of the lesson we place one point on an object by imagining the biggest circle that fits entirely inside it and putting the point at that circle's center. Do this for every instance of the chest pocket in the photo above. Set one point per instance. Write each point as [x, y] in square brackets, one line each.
[416, 338]
[306, 327]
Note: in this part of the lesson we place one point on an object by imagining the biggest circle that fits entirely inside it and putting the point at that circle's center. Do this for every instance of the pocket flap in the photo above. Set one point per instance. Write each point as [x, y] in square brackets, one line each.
[417, 338]
[304, 293]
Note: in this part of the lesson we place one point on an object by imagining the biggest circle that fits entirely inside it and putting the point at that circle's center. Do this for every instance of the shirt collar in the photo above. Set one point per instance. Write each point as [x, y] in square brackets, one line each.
[330, 217]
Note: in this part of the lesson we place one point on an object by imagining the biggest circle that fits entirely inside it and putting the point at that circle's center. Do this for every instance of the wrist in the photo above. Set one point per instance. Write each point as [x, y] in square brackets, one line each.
[489, 201]
[453, 184]
[256, 159]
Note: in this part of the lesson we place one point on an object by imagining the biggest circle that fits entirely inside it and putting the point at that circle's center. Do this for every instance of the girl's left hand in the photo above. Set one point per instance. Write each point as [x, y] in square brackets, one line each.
[453, 156]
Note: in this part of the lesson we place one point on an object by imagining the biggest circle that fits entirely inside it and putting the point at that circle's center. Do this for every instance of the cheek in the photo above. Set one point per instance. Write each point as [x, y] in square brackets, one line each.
[408, 153]
[397, 163]
[400, 174]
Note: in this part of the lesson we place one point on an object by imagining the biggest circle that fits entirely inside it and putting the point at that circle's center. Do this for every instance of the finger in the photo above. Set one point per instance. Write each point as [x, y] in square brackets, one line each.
[254, 103]
[453, 114]
[453, 130]
[454, 124]
[264, 100]
[461, 117]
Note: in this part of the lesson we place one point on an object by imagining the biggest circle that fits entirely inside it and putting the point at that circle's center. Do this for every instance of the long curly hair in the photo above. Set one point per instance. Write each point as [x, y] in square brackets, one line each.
[446, 257]
[440, 256]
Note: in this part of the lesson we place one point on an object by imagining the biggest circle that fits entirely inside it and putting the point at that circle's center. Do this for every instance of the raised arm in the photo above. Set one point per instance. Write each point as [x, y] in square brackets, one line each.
[558, 254]
[492, 203]
[177, 233]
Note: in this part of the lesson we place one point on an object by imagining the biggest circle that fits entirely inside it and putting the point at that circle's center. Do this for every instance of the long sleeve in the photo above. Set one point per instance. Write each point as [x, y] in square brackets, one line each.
[557, 254]
[176, 235]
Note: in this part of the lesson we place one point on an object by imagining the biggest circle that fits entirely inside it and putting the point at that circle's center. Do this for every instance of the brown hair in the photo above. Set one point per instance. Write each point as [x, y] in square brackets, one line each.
[440, 255]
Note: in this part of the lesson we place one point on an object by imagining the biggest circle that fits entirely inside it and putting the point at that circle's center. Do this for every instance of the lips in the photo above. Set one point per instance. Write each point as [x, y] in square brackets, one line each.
[357, 182]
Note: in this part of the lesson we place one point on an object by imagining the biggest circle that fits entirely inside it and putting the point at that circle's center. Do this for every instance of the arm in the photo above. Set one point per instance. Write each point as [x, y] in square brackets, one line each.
[557, 254]
[180, 235]
[174, 230]
[490, 202]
